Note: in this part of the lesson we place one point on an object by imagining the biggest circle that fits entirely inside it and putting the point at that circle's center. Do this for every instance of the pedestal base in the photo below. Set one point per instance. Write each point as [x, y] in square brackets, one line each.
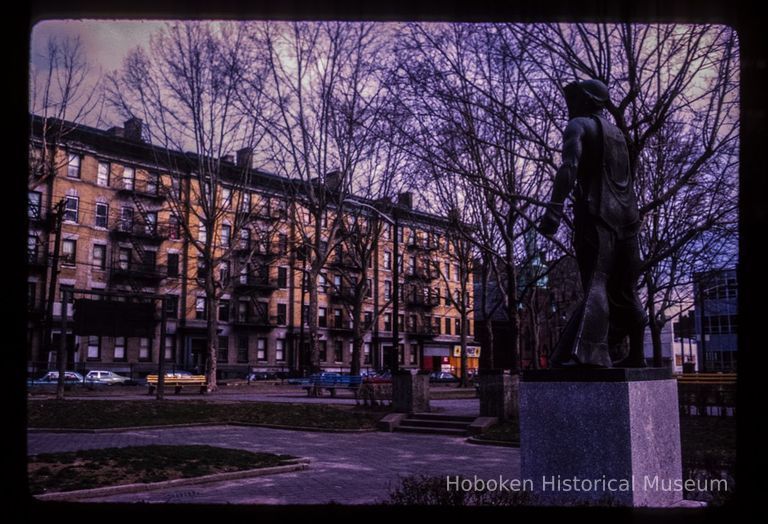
[410, 393]
[498, 393]
[601, 437]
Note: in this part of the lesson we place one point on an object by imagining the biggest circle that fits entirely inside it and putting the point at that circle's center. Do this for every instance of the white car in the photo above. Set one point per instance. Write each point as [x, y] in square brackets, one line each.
[105, 377]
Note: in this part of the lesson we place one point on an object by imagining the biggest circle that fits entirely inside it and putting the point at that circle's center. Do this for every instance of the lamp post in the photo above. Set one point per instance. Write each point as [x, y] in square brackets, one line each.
[393, 221]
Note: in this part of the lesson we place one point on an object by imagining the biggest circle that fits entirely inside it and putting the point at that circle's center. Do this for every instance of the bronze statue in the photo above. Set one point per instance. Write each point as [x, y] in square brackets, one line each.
[606, 222]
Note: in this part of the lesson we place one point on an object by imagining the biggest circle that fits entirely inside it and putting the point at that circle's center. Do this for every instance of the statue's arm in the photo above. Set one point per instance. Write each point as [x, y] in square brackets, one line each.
[564, 178]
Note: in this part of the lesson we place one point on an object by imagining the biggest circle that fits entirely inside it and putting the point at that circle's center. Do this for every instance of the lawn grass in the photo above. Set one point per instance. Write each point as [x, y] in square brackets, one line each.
[94, 414]
[94, 468]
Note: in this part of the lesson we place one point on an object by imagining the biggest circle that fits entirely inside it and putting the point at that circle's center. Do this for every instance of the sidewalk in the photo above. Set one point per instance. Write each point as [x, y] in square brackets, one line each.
[344, 468]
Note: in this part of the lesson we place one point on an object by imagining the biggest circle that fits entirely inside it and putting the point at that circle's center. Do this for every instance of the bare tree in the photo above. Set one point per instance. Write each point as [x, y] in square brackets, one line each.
[62, 88]
[322, 90]
[189, 89]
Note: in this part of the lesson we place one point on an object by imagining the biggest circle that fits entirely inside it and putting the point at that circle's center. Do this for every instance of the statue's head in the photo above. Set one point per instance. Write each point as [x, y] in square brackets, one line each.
[585, 97]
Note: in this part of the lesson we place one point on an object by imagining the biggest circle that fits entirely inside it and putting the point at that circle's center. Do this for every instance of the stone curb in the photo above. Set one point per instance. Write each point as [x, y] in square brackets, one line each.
[502, 443]
[299, 465]
[200, 424]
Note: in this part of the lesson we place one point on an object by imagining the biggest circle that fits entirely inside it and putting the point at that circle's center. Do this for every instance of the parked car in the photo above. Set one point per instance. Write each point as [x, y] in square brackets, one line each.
[443, 377]
[261, 375]
[109, 378]
[52, 378]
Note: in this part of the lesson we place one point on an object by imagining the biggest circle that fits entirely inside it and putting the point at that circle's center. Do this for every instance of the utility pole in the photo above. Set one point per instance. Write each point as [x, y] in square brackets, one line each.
[394, 356]
[161, 352]
[61, 359]
[57, 218]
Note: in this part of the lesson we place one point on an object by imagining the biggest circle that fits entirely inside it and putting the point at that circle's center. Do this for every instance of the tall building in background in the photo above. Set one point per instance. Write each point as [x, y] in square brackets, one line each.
[121, 234]
[716, 294]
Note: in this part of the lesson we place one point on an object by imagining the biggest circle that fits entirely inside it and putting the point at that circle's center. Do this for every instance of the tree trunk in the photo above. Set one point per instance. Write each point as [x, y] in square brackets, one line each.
[212, 325]
[463, 343]
[357, 340]
[314, 342]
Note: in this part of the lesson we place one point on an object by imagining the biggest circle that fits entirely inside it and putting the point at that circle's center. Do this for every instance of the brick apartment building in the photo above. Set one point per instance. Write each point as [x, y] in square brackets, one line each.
[120, 233]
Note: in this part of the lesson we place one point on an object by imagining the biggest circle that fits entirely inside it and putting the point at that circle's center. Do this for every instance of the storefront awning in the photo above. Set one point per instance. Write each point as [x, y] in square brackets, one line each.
[437, 351]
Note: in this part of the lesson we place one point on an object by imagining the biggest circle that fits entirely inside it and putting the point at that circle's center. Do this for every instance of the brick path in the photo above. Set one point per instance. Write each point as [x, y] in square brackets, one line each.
[345, 468]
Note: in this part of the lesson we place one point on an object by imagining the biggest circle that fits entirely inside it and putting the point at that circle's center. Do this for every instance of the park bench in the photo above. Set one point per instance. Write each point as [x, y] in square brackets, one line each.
[332, 383]
[178, 382]
[704, 393]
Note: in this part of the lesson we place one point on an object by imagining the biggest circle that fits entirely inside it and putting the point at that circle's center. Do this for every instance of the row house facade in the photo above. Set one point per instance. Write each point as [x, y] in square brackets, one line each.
[129, 225]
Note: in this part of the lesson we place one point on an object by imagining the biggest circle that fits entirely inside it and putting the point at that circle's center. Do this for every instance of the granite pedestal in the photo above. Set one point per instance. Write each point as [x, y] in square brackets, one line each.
[410, 392]
[498, 393]
[601, 437]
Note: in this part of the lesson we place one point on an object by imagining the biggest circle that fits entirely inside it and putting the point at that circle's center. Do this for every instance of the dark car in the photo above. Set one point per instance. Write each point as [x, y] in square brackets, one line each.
[442, 377]
[261, 375]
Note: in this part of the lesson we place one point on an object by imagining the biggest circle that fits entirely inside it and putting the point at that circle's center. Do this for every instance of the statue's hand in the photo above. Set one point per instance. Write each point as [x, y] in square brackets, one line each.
[551, 220]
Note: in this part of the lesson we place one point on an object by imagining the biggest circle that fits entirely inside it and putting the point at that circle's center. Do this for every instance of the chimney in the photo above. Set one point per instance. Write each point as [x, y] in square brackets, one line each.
[228, 158]
[333, 180]
[405, 200]
[132, 129]
[245, 157]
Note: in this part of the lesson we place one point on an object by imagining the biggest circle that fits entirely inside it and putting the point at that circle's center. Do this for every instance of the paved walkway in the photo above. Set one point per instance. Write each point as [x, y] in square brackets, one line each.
[356, 468]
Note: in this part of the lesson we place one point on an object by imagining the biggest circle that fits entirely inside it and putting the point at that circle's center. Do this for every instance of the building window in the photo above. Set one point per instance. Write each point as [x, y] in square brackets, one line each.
[224, 272]
[149, 262]
[338, 351]
[224, 310]
[242, 348]
[282, 314]
[169, 347]
[73, 166]
[280, 350]
[226, 234]
[457, 326]
[367, 320]
[144, 349]
[152, 183]
[323, 350]
[400, 322]
[124, 259]
[387, 321]
[369, 288]
[447, 271]
[126, 218]
[387, 260]
[94, 348]
[447, 295]
[223, 353]
[150, 226]
[173, 264]
[387, 289]
[401, 353]
[68, 251]
[388, 231]
[337, 319]
[201, 233]
[412, 323]
[68, 290]
[71, 205]
[447, 326]
[261, 349]
[102, 175]
[129, 178]
[99, 256]
[282, 243]
[172, 306]
[102, 215]
[226, 197]
[32, 248]
[322, 283]
[174, 227]
[119, 348]
[366, 353]
[437, 325]
[322, 317]
[202, 270]
[305, 315]
[200, 304]
[412, 265]
[245, 205]
[34, 205]
[282, 277]
[245, 238]
[414, 353]
[31, 294]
